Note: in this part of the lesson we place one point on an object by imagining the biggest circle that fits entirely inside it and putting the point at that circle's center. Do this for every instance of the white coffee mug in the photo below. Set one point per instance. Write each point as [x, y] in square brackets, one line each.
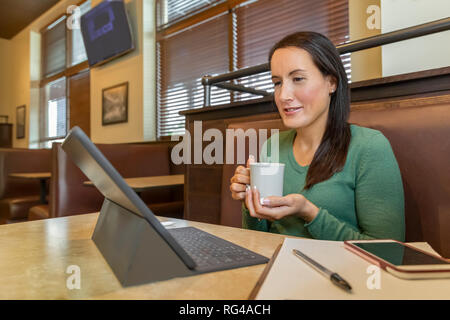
[268, 178]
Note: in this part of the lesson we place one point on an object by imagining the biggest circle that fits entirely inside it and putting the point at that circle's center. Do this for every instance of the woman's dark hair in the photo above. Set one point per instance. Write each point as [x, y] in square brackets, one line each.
[332, 152]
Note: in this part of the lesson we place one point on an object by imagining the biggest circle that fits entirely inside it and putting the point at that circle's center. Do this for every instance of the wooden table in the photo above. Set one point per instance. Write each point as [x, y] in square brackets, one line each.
[41, 176]
[35, 256]
[141, 184]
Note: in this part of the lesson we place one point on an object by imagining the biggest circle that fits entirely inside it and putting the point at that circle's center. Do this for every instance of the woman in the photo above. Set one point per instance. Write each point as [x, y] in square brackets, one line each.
[341, 181]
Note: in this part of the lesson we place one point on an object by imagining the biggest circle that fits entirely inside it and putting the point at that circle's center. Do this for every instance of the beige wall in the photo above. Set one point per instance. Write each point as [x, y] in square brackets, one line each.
[138, 69]
[423, 53]
[5, 78]
[35, 76]
[128, 68]
[149, 70]
[20, 84]
[24, 63]
[429, 52]
[366, 64]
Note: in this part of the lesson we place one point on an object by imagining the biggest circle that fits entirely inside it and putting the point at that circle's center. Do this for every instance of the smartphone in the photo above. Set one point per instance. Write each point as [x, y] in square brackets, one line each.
[400, 259]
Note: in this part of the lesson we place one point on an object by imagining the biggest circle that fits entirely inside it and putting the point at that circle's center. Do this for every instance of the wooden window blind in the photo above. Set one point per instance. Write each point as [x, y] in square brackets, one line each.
[183, 59]
[240, 37]
[54, 48]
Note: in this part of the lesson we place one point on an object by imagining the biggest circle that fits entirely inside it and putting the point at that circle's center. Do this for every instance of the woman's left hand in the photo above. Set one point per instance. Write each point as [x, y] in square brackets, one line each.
[276, 208]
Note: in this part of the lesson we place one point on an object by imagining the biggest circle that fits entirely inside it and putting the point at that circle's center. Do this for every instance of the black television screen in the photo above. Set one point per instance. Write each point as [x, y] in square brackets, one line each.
[106, 32]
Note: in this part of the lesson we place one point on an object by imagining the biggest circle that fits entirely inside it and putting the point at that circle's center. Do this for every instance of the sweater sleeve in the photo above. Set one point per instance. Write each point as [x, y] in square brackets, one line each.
[248, 222]
[379, 200]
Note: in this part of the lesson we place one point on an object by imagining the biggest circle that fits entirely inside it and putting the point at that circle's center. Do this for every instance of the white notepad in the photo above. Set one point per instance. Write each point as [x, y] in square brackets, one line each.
[291, 278]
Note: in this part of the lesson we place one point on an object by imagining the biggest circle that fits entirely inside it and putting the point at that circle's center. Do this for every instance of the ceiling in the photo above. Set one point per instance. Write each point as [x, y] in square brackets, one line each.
[15, 15]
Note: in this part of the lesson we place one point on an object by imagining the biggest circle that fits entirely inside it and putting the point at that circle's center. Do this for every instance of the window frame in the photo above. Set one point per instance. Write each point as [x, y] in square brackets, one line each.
[67, 72]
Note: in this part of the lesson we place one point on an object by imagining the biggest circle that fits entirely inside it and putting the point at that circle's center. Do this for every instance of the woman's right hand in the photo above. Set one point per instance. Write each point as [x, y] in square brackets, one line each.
[240, 180]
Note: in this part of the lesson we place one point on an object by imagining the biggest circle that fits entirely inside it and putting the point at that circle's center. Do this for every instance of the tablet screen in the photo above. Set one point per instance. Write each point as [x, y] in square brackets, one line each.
[398, 254]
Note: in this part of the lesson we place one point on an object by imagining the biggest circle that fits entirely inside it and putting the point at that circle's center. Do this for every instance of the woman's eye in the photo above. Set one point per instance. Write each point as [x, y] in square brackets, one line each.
[298, 79]
[277, 83]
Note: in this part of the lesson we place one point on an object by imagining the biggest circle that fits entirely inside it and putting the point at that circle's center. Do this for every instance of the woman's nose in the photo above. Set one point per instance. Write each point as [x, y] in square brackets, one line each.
[285, 93]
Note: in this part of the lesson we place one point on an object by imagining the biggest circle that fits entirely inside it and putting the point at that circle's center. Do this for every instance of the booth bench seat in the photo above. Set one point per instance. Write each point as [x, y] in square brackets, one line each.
[17, 195]
[420, 139]
[69, 196]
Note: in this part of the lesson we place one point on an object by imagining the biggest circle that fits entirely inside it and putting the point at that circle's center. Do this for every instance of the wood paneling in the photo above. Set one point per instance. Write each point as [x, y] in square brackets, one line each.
[402, 102]
[202, 181]
[435, 81]
[202, 189]
[6, 135]
[79, 101]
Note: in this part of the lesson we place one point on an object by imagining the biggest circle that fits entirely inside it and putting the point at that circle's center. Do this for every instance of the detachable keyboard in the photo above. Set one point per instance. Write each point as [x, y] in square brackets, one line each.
[211, 253]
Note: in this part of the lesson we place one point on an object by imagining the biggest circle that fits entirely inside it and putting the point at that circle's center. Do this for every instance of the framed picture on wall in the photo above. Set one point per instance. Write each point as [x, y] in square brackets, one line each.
[115, 104]
[20, 122]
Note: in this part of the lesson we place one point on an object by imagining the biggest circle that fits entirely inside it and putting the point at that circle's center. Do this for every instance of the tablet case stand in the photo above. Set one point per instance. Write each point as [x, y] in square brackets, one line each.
[133, 249]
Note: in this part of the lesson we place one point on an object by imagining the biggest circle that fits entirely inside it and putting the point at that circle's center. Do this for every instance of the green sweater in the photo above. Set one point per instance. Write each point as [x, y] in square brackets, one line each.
[363, 201]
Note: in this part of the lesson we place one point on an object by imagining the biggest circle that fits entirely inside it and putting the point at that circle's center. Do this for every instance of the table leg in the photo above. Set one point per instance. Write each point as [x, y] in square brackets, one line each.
[43, 191]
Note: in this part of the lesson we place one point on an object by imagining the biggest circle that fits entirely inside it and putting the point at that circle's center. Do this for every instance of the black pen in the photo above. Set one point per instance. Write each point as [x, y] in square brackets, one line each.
[333, 276]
